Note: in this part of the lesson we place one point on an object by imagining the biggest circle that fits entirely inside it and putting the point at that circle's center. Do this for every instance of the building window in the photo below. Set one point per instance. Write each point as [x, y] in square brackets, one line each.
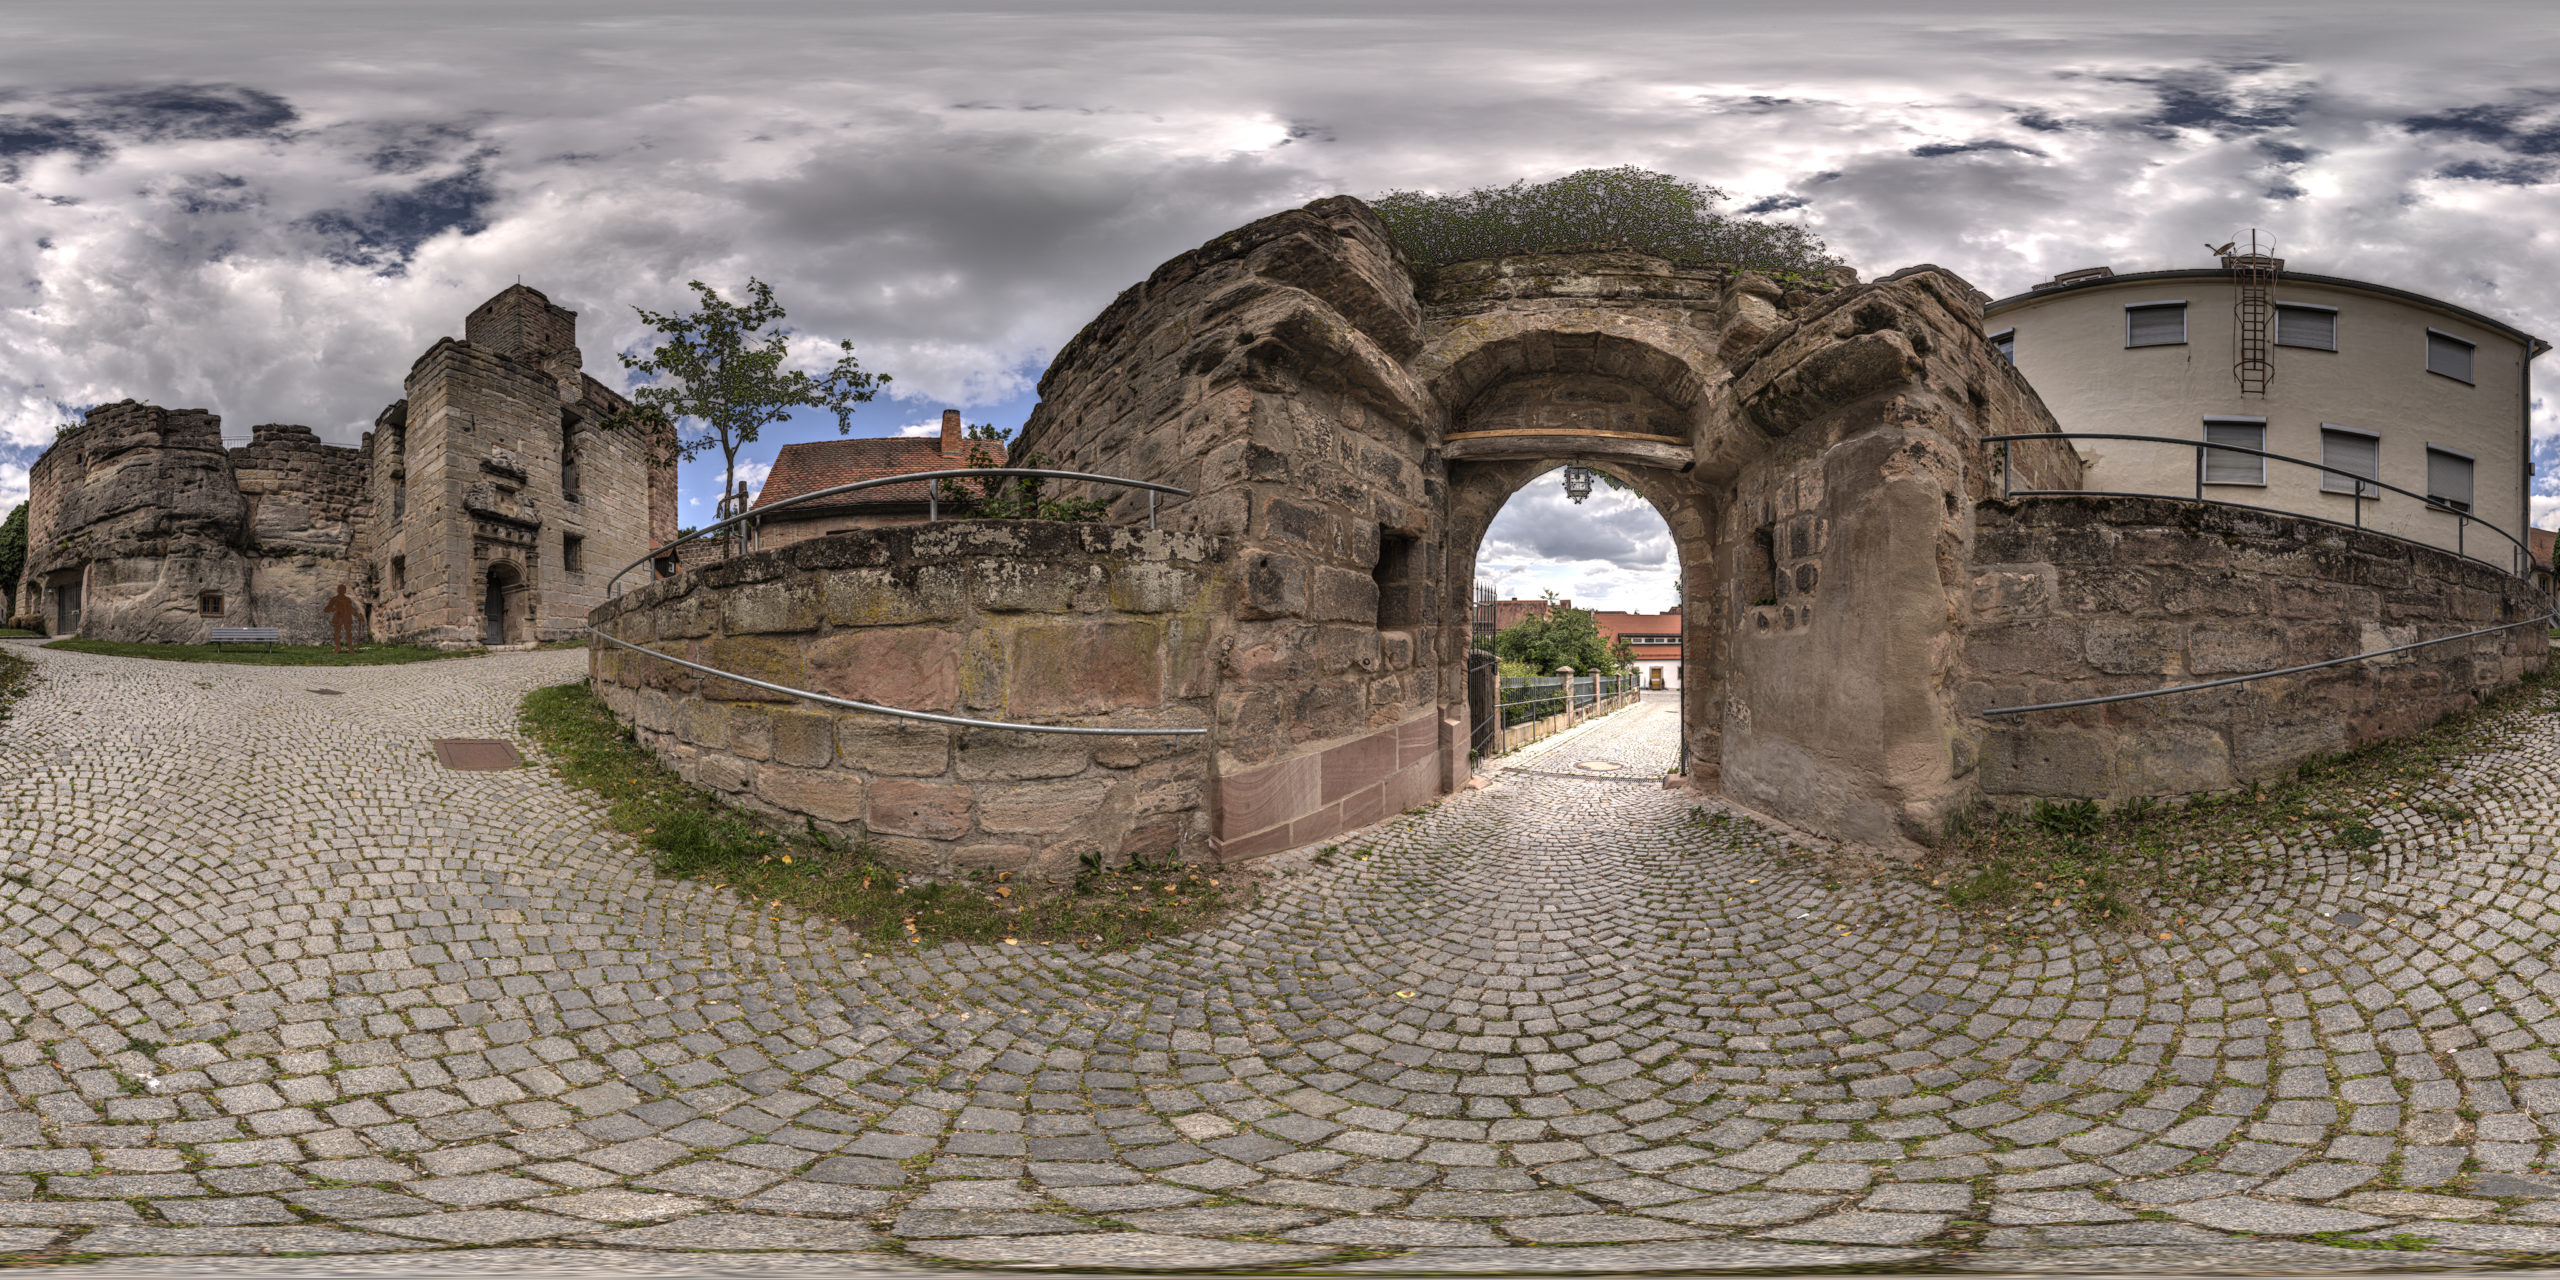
[210, 604]
[2449, 355]
[573, 553]
[399, 500]
[2155, 324]
[2235, 468]
[2358, 453]
[2006, 343]
[2449, 478]
[2298, 325]
[399, 573]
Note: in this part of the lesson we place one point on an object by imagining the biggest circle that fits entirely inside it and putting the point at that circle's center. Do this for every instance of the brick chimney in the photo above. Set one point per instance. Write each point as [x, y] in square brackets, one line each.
[952, 444]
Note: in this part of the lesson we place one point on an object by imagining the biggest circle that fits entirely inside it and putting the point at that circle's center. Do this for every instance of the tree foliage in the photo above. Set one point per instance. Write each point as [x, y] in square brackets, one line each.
[1563, 636]
[1621, 208]
[13, 555]
[1012, 497]
[718, 378]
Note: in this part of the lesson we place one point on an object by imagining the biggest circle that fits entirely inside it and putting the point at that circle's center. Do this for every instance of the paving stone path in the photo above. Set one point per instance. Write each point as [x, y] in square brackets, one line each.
[273, 981]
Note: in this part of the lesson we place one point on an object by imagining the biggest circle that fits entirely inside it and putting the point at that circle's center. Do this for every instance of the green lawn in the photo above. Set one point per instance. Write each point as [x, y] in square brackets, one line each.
[283, 655]
[9, 633]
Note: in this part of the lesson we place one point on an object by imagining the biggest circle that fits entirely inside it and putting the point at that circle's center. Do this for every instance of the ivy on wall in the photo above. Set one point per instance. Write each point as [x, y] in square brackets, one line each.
[1594, 209]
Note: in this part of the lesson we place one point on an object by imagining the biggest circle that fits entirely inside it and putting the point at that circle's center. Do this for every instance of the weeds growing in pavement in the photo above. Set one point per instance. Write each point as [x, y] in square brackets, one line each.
[2130, 865]
[691, 835]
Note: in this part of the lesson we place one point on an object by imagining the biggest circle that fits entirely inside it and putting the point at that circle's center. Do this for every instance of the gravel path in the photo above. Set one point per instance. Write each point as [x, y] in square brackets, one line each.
[273, 981]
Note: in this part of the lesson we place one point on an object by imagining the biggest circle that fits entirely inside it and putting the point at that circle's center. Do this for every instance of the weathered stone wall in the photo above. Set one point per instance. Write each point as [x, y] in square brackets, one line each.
[309, 524]
[1265, 371]
[137, 506]
[2083, 598]
[996, 620]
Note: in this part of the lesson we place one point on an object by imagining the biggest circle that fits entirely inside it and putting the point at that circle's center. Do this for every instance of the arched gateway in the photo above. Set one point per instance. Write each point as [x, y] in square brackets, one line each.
[1863, 607]
[1352, 427]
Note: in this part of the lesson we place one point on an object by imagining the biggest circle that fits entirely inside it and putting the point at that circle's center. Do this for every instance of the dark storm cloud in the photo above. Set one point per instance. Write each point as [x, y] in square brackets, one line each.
[1774, 204]
[2523, 135]
[386, 229]
[189, 112]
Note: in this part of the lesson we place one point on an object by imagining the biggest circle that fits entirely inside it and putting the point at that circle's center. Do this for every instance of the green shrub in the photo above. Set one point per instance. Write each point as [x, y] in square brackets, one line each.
[1596, 209]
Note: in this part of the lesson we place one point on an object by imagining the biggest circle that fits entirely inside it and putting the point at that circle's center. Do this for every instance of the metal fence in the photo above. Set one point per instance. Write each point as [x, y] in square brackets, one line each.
[2517, 558]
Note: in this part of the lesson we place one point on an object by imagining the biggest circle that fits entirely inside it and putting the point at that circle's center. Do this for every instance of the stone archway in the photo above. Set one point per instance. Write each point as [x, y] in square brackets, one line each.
[1477, 493]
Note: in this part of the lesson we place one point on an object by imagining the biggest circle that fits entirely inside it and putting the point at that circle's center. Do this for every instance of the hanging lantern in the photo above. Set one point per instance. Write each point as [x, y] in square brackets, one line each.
[1577, 483]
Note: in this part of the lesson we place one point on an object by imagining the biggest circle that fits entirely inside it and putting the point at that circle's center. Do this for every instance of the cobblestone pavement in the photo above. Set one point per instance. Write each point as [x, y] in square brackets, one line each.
[275, 982]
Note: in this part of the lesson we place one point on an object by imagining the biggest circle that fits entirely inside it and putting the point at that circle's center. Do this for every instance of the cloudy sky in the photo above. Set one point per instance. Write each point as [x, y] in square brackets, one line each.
[269, 208]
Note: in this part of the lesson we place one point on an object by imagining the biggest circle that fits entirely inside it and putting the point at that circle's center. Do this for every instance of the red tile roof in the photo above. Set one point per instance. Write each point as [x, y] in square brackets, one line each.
[824, 464]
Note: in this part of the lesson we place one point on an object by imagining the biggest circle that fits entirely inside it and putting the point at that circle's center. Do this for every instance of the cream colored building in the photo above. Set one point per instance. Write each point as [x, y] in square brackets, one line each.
[2390, 385]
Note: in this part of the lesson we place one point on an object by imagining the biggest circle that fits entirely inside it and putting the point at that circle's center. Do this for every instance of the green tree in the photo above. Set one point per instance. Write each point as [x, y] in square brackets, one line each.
[1563, 636]
[13, 557]
[1621, 208]
[718, 379]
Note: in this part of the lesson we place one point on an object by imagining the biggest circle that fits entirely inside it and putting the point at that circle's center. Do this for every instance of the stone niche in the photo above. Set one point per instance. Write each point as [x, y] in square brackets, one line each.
[1024, 622]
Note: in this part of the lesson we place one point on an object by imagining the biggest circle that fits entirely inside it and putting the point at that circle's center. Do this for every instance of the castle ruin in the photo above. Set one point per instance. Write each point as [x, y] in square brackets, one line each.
[487, 506]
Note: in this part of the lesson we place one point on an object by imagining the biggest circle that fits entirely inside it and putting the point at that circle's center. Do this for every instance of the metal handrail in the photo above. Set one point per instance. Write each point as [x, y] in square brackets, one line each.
[902, 713]
[932, 510]
[933, 502]
[2547, 619]
[2521, 566]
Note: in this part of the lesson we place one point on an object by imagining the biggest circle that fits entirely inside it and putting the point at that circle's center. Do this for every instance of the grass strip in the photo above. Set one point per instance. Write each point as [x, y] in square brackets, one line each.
[2125, 866]
[691, 834]
[283, 655]
[16, 674]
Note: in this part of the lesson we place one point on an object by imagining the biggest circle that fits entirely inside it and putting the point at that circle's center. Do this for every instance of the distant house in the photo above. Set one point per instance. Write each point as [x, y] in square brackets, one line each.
[1653, 639]
[1495, 615]
[2538, 542]
[825, 464]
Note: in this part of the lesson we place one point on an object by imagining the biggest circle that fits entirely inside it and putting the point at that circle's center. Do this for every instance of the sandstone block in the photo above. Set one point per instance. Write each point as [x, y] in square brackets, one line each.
[864, 597]
[2234, 648]
[1275, 586]
[910, 668]
[1147, 587]
[827, 795]
[767, 607]
[803, 739]
[2128, 646]
[884, 746]
[773, 659]
[751, 732]
[1029, 586]
[1046, 808]
[931, 810]
[1343, 595]
[1084, 667]
[995, 755]
[720, 773]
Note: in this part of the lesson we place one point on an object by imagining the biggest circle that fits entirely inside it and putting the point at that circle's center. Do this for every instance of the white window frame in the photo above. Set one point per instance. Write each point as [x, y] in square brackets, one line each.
[2427, 353]
[2131, 307]
[2204, 457]
[2006, 343]
[2331, 483]
[2432, 503]
[2282, 307]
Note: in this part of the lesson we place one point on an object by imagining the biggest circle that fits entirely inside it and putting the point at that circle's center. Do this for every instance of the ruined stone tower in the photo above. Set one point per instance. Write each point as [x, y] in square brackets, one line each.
[488, 506]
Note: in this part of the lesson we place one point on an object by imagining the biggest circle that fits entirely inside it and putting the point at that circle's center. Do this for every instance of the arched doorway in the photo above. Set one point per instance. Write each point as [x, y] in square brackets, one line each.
[1478, 491]
[500, 604]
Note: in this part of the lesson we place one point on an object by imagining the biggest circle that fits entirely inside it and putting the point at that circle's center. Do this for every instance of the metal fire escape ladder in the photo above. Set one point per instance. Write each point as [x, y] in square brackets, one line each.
[2253, 315]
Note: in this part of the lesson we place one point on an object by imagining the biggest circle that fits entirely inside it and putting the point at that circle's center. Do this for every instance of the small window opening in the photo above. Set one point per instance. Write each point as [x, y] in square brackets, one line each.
[1398, 579]
[2006, 343]
[2158, 324]
[2355, 452]
[2449, 479]
[573, 553]
[399, 573]
[2312, 327]
[2449, 355]
[2235, 468]
[210, 604]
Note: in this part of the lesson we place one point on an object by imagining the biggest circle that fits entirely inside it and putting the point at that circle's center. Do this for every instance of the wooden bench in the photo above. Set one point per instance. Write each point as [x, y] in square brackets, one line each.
[245, 635]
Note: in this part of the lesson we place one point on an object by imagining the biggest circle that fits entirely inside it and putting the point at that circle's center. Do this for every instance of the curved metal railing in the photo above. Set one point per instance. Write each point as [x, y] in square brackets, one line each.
[933, 511]
[2550, 619]
[2520, 565]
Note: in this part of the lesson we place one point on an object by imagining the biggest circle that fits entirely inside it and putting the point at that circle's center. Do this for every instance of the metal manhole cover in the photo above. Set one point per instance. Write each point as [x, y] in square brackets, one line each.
[327, 691]
[1602, 765]
[476, 753]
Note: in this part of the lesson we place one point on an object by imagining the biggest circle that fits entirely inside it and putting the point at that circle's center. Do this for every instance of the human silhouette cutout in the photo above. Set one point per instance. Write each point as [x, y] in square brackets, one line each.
[342, 621]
